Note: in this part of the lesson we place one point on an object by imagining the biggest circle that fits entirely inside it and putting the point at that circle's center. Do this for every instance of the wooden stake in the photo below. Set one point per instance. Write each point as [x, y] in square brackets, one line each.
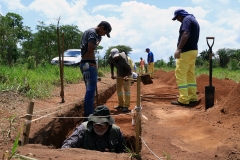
[27, 125]
[138, 117]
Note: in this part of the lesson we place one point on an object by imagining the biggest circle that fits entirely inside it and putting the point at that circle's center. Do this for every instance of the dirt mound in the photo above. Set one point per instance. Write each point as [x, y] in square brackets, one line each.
[231, 104]
[227, 112]
[166, 77]
[222, 87]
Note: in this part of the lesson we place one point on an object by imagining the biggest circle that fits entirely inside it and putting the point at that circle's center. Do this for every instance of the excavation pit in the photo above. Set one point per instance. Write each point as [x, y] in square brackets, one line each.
[52, 131]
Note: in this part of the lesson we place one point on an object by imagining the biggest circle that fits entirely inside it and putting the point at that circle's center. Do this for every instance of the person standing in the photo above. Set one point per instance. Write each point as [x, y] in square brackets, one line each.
[124, 71]
[142, 65]
[150, 60]
[89, 42]
[185, 55]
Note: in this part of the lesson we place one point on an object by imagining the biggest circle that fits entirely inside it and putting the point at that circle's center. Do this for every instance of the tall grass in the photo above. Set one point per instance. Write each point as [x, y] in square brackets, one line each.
[38, 82]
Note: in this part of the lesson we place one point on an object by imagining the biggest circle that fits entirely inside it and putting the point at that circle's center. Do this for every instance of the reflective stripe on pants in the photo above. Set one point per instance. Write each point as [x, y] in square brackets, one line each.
[185, 76]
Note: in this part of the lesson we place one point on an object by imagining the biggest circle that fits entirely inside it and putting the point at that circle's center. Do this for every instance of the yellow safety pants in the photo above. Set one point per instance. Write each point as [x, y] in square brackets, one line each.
[185, 76]
[151, 69]
[121, 83]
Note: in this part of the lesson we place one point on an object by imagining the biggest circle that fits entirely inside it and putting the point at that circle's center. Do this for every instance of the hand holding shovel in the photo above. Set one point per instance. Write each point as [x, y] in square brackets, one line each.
[145, 79]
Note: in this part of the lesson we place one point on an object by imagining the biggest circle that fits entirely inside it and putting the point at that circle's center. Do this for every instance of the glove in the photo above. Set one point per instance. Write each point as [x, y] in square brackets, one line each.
[86, 73]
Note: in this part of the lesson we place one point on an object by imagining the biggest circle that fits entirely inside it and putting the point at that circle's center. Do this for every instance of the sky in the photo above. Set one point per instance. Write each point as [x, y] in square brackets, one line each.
[139, 24]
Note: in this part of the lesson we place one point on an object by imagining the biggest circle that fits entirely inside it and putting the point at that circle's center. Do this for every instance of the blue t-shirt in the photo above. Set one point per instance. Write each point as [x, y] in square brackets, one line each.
[190, 25]
[89, 35]
[150, 54]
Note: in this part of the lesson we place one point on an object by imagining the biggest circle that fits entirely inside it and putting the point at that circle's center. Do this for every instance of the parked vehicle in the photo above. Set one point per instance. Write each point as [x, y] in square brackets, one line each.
[72, 57]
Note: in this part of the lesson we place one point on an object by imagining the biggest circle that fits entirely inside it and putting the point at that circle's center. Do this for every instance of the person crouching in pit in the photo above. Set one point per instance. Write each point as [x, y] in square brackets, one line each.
[98, 133]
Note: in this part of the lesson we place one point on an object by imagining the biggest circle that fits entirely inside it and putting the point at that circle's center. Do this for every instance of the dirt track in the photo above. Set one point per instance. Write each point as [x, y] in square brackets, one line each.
[178, 132]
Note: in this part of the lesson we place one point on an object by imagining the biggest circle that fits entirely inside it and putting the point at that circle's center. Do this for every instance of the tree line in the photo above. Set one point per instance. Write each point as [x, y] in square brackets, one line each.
[18, 44]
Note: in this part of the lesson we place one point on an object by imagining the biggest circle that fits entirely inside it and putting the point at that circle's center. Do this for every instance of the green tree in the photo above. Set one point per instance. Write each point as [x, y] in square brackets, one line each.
[11, 33]
[72, 36]
[160, 63]
[224, 57]
[171, 62]
[121, 48]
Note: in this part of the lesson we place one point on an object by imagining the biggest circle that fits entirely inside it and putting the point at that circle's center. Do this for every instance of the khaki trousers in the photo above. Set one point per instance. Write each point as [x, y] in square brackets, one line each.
[123, 97]
[185, 76]
[151, 69]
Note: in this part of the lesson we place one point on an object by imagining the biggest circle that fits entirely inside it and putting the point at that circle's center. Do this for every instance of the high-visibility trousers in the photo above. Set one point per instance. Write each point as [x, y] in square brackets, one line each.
[123, 97]
[185, 76]
[151, 69]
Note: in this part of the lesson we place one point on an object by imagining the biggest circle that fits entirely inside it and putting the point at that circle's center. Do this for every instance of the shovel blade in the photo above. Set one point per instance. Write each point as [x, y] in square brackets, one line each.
[209, 96]
[146, 79]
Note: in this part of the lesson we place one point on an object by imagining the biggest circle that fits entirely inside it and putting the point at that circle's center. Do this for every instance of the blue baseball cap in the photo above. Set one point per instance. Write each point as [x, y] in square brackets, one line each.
[179, 12]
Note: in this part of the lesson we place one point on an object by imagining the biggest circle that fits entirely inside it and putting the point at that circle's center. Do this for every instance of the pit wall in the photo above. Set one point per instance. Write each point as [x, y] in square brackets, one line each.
[57, 130]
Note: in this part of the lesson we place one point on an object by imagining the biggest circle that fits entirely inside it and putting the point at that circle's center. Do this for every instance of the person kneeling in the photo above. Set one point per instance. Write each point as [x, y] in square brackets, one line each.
[98, 133]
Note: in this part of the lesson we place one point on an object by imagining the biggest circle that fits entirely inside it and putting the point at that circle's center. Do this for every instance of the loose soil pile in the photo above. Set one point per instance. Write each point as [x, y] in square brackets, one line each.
[171, 131]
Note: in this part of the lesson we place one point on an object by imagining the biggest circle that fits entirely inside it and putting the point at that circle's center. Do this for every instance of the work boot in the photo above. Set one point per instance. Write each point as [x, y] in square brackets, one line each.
[118, 107]
[179, 103]
[125, 109]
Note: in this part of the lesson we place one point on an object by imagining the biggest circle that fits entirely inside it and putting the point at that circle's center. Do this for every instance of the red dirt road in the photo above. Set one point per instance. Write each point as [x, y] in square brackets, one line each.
[191, 133]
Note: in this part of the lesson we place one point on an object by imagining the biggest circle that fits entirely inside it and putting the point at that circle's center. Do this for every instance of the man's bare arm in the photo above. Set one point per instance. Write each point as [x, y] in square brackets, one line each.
[182, 42]
[183, 39]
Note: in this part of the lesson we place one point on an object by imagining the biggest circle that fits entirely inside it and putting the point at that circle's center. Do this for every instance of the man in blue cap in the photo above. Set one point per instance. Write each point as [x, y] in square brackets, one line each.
[150, 60]
[185, 55]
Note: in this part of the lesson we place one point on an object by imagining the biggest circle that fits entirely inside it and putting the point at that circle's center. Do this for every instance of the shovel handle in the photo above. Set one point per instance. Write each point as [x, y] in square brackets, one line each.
[128, 79]
[207, 38]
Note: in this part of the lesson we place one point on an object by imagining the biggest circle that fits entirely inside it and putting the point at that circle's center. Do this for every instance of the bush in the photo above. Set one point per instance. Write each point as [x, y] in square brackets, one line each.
[30, 62]
[233, 65]
[100, 73]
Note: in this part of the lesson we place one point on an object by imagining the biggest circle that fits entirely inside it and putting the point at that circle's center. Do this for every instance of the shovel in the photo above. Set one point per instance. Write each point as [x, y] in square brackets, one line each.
[209, 90]
[145, 79]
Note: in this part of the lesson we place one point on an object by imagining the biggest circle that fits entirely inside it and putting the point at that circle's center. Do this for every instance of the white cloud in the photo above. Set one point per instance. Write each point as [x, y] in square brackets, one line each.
[14, 5]
[146, 25]
[109, 7]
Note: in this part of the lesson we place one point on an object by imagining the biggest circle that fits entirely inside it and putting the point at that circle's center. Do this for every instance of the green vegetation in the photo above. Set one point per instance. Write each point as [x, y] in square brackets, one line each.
[39, 82]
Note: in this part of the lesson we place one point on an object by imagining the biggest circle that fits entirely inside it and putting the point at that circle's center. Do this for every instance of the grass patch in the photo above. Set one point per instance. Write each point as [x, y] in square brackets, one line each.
[38, 82]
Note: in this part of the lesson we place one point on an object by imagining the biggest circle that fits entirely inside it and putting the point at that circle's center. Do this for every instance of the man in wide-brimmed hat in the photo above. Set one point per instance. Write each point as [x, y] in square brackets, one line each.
[98, 133]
